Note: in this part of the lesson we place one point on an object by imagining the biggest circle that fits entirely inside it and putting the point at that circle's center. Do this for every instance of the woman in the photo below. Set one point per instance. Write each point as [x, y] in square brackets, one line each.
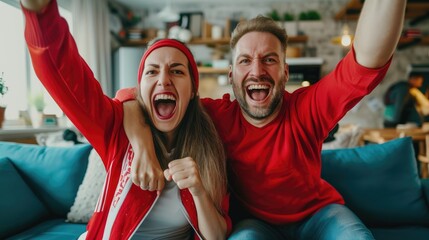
[194, 203]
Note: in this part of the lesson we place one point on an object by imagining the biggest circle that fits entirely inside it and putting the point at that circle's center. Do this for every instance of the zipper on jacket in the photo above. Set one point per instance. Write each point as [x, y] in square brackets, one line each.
[150, 209]
[187, 216]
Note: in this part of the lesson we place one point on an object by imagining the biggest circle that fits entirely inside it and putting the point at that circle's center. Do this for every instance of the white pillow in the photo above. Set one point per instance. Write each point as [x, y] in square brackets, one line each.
[89, 190]
[53, 139]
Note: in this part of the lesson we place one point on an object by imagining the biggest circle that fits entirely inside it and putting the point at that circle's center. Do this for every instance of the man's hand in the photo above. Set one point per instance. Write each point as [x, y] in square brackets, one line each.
[35, 5]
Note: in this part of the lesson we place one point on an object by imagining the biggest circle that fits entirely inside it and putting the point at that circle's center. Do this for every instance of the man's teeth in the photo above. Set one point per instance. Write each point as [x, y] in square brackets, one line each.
[258, 87]
[165, 97]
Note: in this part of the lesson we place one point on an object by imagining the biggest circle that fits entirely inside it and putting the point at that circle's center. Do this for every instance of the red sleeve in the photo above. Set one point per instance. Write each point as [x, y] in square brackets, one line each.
[68, 78]
[333, 96]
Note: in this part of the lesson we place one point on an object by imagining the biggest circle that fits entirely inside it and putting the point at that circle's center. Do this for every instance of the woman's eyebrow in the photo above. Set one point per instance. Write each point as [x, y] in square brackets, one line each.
[153, 65]
[175, 64]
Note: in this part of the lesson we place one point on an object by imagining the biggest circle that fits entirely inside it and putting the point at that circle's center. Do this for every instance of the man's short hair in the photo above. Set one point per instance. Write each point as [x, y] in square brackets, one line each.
[259, 24]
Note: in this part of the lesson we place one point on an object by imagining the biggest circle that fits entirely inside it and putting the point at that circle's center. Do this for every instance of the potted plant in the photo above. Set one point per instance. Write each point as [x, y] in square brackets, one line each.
[38, 103]
[310, 20]
[290, 24]
[274, 14]
[311, 15]
[3, 91]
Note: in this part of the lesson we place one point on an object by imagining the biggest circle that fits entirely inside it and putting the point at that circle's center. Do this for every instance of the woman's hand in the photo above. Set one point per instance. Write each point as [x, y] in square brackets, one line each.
[35, 5]
[146, 171]
[184, 172]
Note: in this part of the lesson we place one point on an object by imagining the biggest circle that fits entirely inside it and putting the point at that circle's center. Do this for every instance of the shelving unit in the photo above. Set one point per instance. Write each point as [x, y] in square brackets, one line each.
[407, 41]
[209, 41]
[416, 9]
[212, 43]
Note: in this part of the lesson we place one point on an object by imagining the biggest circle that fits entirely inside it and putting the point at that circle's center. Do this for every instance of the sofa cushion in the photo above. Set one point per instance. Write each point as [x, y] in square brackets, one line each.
[379, 182]
[20, 207]
[401, 233]
[53, 173]
[52, 229]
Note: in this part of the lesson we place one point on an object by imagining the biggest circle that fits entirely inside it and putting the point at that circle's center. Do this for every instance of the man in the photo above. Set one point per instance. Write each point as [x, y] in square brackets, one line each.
[273, 138]
[405, 103]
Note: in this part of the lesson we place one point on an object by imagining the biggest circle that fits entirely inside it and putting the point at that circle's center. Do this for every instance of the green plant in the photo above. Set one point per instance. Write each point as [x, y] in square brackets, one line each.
[310, 15]
[274, 14]
[38, 101]
[288, 17]
[3, 89]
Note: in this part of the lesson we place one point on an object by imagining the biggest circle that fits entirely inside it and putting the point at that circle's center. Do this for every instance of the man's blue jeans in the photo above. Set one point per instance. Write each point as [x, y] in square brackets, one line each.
[333, 222]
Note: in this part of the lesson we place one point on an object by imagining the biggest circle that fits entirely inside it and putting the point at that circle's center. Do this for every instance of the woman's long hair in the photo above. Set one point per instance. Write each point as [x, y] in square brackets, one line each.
[196, 137]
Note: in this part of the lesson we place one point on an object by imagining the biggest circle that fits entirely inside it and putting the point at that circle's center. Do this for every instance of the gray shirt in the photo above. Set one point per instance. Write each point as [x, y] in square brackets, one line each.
[166, 219]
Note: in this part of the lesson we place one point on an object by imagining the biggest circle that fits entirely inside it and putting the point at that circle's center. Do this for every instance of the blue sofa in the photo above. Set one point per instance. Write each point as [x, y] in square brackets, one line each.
[38, 186]
[379, 182]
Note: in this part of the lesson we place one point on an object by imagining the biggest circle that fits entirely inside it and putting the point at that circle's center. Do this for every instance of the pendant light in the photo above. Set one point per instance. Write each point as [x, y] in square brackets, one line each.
[168, 14]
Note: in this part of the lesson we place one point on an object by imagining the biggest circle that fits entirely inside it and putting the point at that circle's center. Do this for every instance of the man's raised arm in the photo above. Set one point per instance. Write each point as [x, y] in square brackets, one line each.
[35, 5]
[378, 31]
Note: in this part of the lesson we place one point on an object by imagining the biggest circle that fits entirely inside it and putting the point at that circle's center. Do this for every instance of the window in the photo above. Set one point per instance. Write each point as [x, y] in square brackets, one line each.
[15, 64]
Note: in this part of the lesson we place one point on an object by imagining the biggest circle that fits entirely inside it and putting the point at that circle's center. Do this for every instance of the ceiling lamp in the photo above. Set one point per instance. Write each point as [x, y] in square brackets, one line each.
[168, 14]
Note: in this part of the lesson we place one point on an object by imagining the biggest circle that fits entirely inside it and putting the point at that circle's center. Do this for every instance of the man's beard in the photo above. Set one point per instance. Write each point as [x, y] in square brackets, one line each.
[259, 113]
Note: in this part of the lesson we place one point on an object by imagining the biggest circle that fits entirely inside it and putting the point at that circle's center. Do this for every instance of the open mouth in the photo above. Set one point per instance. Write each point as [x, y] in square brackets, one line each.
[258, 92]
[164, 104]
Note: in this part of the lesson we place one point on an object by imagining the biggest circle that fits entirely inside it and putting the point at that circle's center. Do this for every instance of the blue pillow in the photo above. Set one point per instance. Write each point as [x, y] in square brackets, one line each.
[53, 173]
[379, 182]
[19, 206]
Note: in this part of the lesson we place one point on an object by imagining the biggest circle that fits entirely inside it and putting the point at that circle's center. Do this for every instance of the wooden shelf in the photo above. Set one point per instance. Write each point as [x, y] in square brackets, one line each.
[210, 70]
[298, 39]
[407, 41]
[209, 41]
[416, 9]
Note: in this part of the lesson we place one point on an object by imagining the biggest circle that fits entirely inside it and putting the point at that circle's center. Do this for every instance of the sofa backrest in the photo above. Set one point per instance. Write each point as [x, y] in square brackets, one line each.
[379, 182]
[53, 173]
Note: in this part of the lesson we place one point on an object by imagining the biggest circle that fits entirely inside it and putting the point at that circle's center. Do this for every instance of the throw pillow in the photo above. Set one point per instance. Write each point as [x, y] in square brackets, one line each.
[53, 173]
[379, 182]
[89, 190]
[20, 207]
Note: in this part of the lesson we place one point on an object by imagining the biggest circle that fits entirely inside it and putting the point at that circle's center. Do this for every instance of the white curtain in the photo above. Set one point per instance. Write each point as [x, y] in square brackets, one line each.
[91, 32]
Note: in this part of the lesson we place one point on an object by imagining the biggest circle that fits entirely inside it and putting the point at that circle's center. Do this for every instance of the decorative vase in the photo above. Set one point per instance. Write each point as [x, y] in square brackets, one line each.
[2, 110]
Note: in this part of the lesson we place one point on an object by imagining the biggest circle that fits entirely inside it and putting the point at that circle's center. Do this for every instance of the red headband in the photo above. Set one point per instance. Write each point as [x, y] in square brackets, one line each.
[175, 44]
